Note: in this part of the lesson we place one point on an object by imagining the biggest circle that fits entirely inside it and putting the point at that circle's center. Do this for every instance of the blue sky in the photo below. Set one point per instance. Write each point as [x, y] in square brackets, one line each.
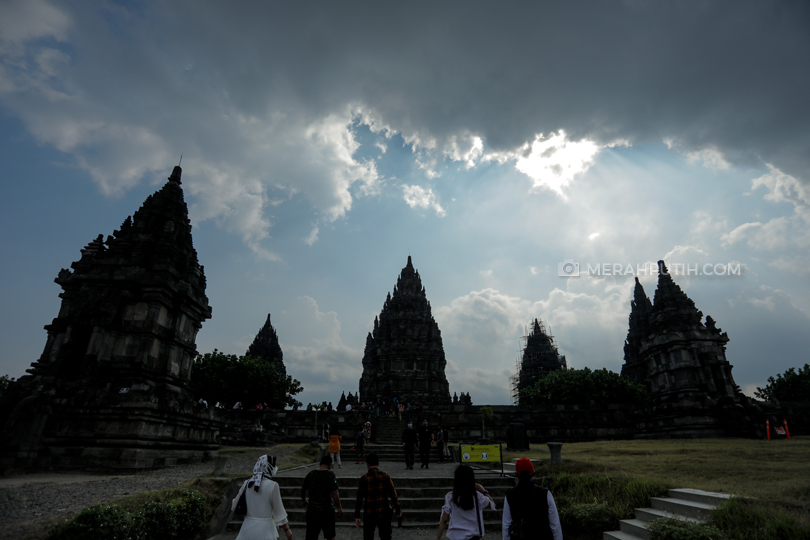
[323, 145]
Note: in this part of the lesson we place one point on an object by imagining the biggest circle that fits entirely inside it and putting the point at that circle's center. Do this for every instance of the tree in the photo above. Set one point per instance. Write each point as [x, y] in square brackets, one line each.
[580, 386]
[225, 378]
[5, 380]
[792, 386]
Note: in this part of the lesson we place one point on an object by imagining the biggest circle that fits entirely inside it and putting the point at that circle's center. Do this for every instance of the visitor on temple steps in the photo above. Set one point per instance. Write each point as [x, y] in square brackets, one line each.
[334, 446]
[265, 510]
[323, 490]
[530, 507]
[409, 442]
[373, 494]
[463, 510]
[425, 440]
[360, 446]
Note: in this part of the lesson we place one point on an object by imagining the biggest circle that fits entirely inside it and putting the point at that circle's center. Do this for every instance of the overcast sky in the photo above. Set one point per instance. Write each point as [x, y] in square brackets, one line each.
[324, 143]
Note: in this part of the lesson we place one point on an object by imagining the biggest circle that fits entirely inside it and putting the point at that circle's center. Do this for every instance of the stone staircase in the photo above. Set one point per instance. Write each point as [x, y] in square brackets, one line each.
[388, 429]
[421, 500]
[686, 504]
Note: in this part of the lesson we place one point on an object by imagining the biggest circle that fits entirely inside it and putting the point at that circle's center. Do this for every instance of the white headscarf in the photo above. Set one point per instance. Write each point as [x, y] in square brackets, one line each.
[265, 467]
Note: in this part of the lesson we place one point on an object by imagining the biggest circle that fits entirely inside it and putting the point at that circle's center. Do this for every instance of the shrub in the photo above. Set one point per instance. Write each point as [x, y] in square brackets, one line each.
[101, 521]
[621, 495]
[676, 529]
[586, 520]
[173, 514]
[756, 520]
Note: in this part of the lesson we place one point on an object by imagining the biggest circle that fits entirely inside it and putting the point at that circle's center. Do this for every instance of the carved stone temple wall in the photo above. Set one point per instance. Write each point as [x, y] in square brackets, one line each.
[404, 355]
[111, 389]
[682, 361]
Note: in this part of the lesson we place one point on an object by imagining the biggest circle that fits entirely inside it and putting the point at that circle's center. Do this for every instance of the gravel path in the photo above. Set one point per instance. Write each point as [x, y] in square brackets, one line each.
[28, 501]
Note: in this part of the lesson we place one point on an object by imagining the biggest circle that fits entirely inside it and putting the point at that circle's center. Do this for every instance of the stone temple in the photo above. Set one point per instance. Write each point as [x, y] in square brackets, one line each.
[404, 355]
[682, 362]
[540, 357]
[265, 346]
[111, 389]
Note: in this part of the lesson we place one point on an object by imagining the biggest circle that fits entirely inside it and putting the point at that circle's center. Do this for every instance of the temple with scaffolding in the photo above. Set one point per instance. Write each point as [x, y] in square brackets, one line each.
[538, 358]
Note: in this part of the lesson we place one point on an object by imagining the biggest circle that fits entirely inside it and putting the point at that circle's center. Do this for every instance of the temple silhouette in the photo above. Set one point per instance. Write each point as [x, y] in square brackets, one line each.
[404, 355]
[111, 388]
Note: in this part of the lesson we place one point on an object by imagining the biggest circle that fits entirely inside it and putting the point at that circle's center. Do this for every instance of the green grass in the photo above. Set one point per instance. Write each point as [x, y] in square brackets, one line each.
[772, 478]
[772, 470]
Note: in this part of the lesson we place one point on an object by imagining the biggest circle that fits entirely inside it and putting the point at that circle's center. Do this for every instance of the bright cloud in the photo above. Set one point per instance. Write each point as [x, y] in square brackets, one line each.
[419, 197]
[554, 161]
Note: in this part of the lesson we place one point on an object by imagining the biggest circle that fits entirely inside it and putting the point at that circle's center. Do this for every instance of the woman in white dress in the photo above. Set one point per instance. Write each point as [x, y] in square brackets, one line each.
[463, 510]
[265, 511]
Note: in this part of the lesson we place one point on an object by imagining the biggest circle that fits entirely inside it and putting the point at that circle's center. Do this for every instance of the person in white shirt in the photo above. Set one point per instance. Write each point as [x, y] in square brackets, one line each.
[463, 510]
[265, 509]
[530, 507]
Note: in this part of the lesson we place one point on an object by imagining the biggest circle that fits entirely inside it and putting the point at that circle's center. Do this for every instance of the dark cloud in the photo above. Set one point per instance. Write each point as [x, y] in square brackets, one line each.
[727, 75]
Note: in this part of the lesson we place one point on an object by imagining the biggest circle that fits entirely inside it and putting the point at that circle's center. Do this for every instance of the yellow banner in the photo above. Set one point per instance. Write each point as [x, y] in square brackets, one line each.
[488, 452]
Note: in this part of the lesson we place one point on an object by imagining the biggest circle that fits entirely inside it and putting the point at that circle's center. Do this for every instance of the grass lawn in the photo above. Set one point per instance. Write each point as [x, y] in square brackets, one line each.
[776, 470]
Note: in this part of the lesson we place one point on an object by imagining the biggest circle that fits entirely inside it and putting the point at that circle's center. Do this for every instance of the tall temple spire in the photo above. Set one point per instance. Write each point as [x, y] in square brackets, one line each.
[176, 172]
[639, 328]
[682, 362]
[266, 347]
[671, 306]
[123, 346]
[540, 357]
[404, 355]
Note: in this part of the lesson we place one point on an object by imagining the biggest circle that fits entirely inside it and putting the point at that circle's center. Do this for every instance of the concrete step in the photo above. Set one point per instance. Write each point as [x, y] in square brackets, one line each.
[294, 492]
[635, 527]
[618, 535]
[697, 495]
[650, 514]
[686, 504]
[401, 482]
[682, 507]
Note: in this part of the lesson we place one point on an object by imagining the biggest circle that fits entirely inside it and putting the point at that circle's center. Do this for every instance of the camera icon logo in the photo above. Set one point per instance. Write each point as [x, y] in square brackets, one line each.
[568, 268]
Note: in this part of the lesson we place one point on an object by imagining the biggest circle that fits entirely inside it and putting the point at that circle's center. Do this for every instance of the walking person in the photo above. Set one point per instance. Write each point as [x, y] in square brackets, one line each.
[425, 440]
[360, 446]
[367, 432]
[334, 446]
[409, 443]
[463, 510]
[373, 494]
[265, 510]
[529, 508]
[321, 485]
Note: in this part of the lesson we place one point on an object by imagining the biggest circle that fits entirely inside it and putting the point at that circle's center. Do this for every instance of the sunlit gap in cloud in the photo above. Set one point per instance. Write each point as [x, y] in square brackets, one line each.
[554, 161]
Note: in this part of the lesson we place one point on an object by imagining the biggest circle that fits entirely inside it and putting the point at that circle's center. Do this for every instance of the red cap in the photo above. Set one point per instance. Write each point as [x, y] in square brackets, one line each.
[524, 464]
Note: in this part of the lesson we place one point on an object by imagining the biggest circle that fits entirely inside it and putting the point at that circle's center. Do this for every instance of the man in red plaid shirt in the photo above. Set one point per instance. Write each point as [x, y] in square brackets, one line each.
[375, 489]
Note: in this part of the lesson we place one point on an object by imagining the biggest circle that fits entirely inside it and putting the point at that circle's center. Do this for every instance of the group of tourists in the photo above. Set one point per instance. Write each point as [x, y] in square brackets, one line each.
[529, 512]
[333, 436]
[422, 439]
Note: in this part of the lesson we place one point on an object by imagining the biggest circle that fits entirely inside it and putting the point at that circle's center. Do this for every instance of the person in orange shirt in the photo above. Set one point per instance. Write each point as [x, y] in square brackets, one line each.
[334, 446]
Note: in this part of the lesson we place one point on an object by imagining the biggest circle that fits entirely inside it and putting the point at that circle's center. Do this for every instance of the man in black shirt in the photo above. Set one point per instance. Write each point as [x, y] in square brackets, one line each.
[529, 511]
[409, 442]
[322, 487]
